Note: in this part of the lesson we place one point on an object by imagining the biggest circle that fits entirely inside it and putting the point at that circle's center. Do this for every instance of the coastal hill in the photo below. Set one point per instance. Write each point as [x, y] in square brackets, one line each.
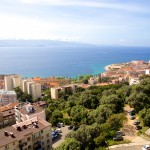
[39, 43]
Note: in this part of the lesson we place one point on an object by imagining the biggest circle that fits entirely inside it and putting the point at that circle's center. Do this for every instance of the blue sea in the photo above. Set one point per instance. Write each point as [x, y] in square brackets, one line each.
[66, 61]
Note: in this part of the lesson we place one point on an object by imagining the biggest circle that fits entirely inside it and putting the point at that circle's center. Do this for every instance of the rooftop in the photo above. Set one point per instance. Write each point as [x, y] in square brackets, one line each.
[29, 109]
[7, 92]
[40, 103]
[19, 131]
[9, 106]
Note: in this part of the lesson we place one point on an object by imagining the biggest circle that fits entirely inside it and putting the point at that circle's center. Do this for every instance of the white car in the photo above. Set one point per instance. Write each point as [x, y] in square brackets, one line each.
[59, 130]
[146, 147]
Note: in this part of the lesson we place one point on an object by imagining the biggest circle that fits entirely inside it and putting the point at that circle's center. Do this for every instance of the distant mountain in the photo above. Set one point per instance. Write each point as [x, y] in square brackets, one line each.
[38, 43]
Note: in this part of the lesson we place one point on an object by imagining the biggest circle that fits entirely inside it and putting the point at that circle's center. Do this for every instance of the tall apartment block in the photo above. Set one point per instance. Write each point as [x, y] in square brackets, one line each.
[12, 81]
[32, 134]
[32, 88]
[27, 85]
[55, 91]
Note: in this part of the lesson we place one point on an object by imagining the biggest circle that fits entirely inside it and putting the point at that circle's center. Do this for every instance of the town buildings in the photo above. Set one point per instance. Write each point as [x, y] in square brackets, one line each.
[94, 80]
[26, 85]
[31, 88]
[12, 81]
[32, 134]
[28, 111]
[31, 130]
[7, 115]
[67, 88]
[127, 72]
[7, 97]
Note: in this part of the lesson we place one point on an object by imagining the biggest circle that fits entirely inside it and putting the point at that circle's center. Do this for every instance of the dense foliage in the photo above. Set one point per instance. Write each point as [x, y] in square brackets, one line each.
[98, 112]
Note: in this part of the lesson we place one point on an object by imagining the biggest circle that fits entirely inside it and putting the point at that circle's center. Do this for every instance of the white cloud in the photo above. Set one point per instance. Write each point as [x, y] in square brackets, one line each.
[120, 6]
[19, 27]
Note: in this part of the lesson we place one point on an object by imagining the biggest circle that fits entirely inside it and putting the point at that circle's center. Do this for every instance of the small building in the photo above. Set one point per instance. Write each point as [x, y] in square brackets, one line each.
[7, 97]
[32, 134]
[137, 62]
[94, 80]
[134, 81]
[55, 91]
[147, 71]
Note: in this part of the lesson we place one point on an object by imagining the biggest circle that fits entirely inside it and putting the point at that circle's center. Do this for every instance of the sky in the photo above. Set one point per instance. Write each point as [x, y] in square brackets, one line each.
[102, 22]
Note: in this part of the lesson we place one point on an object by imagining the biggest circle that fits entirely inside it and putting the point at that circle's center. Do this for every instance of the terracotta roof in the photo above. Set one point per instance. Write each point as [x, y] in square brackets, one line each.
[40, 103]
[7, 113]
[9, 106]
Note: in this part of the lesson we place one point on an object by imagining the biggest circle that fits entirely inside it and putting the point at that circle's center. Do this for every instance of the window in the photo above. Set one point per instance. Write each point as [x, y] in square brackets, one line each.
[41, 131]
[47, 135]
[28, 139]
[42, 143]
[36, 135]
[6, 147]
[47, 141]
[48, 146]
[29, 147]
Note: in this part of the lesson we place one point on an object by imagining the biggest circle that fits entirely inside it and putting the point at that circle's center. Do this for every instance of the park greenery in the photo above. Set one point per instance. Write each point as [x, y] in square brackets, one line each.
[98, 112]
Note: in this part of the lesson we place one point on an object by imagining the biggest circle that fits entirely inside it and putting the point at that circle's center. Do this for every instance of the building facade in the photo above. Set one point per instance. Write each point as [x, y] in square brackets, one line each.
[7, 97]
[27, 111]
[33, 134]
[66, 88]
[31, 88]
[12, 81]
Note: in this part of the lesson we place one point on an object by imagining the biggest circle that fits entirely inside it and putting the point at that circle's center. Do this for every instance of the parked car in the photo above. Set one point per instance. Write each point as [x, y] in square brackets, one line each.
[59, 130]
[74, 128]
[118, 138]
[132, 117]
[54, 135]
[132, 112]
[120, 133]
[146, 147]
[59, 125]
[70, 127]
[136, 122]
[138, 127]
[62, 124]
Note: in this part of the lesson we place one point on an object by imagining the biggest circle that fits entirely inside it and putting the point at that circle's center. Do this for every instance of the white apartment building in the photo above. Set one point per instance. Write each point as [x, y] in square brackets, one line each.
[32, 134]
[32, 88]
[12, 81]
[7, 97]
[27, 111]
[147, 71]
[55, 91]
[134, 81]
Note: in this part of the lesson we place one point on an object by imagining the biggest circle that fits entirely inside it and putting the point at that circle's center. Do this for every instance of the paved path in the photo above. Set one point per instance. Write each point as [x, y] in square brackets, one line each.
[134, 147]
[61, 137]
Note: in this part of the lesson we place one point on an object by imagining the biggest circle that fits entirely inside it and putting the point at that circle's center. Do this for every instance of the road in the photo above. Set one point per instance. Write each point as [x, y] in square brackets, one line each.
[61, 137]
[135, 147]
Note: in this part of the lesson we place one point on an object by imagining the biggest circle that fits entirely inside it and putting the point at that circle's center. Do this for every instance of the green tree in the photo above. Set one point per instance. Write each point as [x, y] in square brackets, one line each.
[88, 100]
[78, 113]
[70, 144]
[138, 100]
[56, 117]
[145, 116]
